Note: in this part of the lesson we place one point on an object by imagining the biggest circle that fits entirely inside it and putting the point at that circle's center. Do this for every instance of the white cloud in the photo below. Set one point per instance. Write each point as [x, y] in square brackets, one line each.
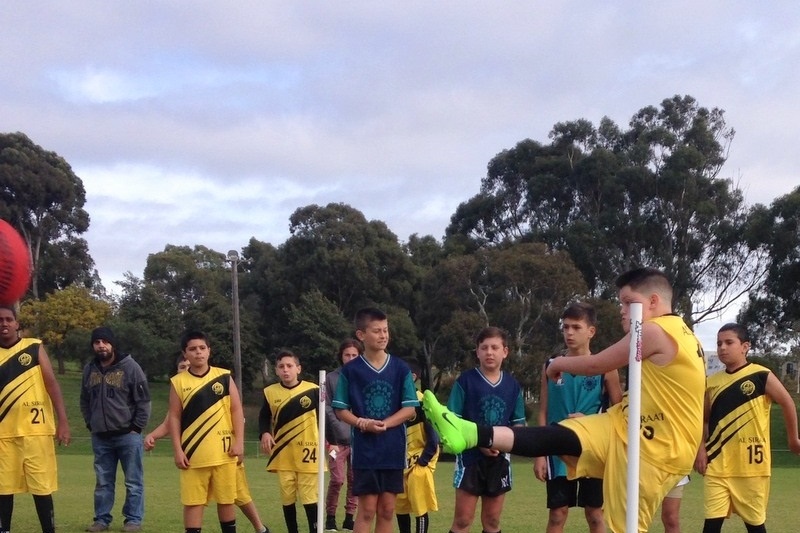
[207, 123]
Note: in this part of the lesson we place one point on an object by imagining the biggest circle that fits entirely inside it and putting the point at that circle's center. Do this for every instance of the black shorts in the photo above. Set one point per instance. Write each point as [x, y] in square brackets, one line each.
[583, 492]
[369, 481]
[491, 476]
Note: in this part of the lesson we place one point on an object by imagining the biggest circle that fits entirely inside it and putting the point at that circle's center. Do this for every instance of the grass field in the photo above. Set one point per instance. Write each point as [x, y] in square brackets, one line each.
[524, 509]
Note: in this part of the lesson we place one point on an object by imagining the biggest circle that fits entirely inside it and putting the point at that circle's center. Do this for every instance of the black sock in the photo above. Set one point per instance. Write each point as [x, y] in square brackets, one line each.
[713, 525]
[756, 529]
[485, 436]
[290, 517]
[498, 531]
[193, 529]
[311, 515]
[404, 523]
[6, 509]
[44, 510]
[545, 440]
[228, 527]
[422, 523]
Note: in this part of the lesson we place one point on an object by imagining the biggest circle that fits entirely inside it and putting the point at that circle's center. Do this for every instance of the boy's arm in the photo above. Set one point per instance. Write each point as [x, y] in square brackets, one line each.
[431, 444]
[54, 391]
[399, 417]
[161, 431]
[540, 463]
[237, 419]
[265, 427]
[174, 425]
[541, 418]
[655, 343]
[701, 461]
[781, 396]
[613, 387]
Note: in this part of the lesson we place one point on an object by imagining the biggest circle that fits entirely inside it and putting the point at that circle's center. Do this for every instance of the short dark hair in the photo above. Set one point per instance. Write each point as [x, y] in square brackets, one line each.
[414, 366]
[10, 308]
[646, 278]
[191, 335]
[180, 359]
[287, 353]
[581, 311]
[349, 343]
[489, 332]
[739, 330]
[366, 315]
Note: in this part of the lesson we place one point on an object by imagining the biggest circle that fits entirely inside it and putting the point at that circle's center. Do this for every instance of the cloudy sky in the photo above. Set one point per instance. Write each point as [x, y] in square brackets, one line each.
[197, 122]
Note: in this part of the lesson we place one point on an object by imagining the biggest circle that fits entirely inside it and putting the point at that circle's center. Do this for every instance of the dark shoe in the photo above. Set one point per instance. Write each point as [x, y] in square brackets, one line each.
[348, 524]
[130, 526]
[330, 523]
[97, 526]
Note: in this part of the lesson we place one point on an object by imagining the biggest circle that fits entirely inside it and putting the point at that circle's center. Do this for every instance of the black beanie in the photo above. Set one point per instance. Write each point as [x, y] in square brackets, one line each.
[106, 334]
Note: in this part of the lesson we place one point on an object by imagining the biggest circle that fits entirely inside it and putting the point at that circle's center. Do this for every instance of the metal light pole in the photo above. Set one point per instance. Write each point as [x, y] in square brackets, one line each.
[233, 257]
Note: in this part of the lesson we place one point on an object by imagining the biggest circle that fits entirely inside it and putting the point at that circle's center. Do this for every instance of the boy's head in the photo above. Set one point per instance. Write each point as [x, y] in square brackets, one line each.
[348, 350]
[287, 368]
[414, 366]
[196, 349]
[491, 347]
[647, 286]
[181, 363]
[372, 328]
[578, 325]
[733, 343]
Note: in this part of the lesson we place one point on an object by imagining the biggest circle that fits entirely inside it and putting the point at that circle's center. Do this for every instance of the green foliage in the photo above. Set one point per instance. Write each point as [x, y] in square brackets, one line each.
[615, 199]
[772, 312]
[67, 314]
[42, 197]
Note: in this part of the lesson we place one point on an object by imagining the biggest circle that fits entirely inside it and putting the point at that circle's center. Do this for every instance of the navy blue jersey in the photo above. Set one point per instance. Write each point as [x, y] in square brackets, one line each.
[376, 393]
[490, 404]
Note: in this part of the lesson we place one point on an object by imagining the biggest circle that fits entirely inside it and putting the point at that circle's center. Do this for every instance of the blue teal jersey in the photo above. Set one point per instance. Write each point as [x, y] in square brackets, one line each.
[376, 393]
[491, 404]
[571, 394]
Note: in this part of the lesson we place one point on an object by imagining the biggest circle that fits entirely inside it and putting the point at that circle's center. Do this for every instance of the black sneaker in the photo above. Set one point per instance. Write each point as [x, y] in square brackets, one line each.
[348, 524]
[330, 524]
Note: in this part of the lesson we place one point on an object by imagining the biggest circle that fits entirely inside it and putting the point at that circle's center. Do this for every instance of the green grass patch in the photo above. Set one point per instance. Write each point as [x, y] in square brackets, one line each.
[524, 508]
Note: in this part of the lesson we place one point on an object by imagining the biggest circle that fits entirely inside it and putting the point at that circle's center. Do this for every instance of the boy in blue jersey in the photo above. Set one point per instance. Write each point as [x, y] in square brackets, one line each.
[485, 395]
[570, 397]
[376, 395]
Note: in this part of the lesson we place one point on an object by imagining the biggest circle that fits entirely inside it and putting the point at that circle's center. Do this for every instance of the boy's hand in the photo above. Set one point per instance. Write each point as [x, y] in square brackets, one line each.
[554, 369]
[540, 468]
[149, 442]
[794, 445]
[236, 450]
[267, 442]
[376, 426]
[489, 452]
[63, 435]
[701, 461]
[181, 461]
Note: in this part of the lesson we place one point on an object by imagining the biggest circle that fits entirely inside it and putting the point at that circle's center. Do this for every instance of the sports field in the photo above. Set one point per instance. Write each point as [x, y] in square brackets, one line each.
[524, 510]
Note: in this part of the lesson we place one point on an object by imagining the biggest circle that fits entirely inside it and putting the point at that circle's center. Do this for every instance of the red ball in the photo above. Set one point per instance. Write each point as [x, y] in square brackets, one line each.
[15, 265]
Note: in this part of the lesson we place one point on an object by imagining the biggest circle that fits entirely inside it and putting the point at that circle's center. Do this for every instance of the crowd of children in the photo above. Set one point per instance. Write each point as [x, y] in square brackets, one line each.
[384, 435]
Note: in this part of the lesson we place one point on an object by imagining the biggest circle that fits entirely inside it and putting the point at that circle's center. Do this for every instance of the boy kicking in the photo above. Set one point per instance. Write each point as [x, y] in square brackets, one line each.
[673, 381]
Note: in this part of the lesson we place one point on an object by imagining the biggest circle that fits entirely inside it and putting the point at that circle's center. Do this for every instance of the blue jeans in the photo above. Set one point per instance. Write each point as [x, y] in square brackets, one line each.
[128, 449]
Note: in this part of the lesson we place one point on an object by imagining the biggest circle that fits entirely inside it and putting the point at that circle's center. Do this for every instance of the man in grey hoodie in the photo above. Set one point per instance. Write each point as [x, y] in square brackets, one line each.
[115, 403]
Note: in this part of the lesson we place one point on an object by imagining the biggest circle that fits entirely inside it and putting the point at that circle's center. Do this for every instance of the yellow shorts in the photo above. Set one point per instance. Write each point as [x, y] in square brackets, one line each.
[745, 496]
[243, 496]
[297, 486]
[28, 464]
[419, 496]
[199, 485]
[605, 456]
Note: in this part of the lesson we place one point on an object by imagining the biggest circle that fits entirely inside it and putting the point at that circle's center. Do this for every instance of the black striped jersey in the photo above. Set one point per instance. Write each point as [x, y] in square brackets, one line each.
[294, 426]
[206, 423]
[738, 425]
[25, 404]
